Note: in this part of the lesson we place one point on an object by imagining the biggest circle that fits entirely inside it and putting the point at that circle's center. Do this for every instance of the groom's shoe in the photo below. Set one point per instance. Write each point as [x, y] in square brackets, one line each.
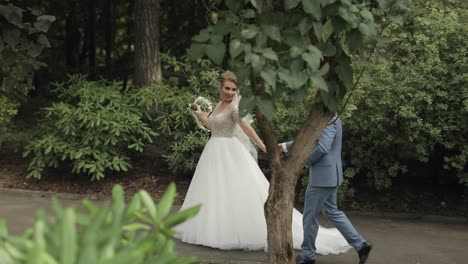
[364, 252]
[300, 260]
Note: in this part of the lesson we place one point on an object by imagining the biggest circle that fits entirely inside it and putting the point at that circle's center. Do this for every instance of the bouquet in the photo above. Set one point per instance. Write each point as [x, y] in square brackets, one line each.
[204, 105]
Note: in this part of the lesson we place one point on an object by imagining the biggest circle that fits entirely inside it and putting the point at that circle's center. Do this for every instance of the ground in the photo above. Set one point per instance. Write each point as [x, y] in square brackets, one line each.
[148, 174]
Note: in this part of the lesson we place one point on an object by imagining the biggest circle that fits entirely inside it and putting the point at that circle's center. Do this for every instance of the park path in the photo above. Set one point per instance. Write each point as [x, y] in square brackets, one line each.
[397, 239]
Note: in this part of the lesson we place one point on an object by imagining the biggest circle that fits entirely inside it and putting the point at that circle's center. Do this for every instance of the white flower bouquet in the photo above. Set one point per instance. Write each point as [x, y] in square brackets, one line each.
[204, 105]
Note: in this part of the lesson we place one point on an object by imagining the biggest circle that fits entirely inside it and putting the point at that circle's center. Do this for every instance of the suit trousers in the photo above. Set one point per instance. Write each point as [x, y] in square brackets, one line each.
[319, 199]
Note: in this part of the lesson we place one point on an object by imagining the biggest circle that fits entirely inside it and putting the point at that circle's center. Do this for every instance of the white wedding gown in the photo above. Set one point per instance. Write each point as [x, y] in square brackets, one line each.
[232, 191]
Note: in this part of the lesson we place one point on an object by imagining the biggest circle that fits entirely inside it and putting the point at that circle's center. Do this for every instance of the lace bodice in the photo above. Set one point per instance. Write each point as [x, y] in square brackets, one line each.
[223, 124]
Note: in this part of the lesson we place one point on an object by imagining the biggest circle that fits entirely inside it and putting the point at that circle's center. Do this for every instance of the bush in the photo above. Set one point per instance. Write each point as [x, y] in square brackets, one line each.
[93, 126]
[414, 104]
[7, 111]
[183, 141]
[137, 233]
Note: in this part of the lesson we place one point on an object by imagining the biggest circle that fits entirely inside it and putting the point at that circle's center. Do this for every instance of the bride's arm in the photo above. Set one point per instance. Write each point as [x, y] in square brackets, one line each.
[203, 117]
[250, 132]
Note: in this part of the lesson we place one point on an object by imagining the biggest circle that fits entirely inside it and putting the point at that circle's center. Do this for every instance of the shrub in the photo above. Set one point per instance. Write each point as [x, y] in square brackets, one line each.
[7, 112]
[137, 233]
[93, 126]
[183, 141]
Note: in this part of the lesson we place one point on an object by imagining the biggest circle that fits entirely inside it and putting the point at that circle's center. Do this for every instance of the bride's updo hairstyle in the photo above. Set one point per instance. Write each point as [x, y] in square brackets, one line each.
[229, 76]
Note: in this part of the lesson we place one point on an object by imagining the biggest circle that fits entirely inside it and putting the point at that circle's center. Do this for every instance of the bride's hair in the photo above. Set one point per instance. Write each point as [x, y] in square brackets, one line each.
[228, 76]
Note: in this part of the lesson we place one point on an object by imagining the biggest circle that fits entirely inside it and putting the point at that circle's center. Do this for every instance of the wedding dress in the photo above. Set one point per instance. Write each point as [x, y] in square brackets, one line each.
[232, 191]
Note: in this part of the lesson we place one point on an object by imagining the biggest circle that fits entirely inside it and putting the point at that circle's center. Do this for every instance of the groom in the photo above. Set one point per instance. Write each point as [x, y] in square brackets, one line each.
[325, 176]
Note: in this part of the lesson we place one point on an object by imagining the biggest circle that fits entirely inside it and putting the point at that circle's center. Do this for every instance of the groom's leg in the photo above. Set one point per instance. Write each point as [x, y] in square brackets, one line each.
[341, 222]
[315, 198]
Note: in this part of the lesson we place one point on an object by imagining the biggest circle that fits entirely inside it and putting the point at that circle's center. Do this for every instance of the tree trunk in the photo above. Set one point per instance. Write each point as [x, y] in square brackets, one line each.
[92, 39]
[71, 38]
[284, 176]
[147, 60]
[109, 21]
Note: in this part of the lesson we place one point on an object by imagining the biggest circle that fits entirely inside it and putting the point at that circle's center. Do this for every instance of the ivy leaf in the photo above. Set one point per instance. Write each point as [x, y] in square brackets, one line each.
[43, 40]
[354, 39]
[290, 4]
[249, 13]
[203, 36]
[305, 25]
[249, 33]
[246, 104]
[294, 52]
[216, 52]
[319, 82]
[327, 49]
[235, 48]
[312, 7]
[234, 5]
[43, 22]
[273, 32]
[13, 14]
[324, 70]
[345, 73]
[367, 29]
[366, 14]
[258, 4]
[327, 30]
[269, 75]
[266, 106]
[318, 30]
[196, 51]
[294, 79]
[270, 54]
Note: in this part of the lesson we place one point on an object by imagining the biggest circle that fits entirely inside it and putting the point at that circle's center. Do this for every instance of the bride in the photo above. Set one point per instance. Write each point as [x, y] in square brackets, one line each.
[232, 189]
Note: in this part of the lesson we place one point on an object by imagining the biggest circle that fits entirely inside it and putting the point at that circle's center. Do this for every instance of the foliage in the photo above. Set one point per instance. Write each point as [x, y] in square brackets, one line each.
[413, 105]
[139, 232]
[93, 127]
[21, 43]
[183, 141]
[7, 111]
[290, 46]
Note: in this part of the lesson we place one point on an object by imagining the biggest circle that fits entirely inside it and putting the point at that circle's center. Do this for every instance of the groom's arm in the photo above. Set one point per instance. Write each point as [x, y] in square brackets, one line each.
[324, 144]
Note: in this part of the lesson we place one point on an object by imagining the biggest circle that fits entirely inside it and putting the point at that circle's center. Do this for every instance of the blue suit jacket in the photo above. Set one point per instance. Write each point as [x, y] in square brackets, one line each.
[325, 167]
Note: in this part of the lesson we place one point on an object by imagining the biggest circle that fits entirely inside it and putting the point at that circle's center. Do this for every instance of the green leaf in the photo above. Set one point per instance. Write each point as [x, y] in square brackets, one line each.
[305, 25]
[203, 36]
[367, 29]
[235, 48]
[12, 37]
[312, 7]
[319, 82]
[249, 33]
[149, 203]
[216, 52]
[354, 39]
[196, 51]
[327, 49]
[345, 73]
[318, 30]
[258, 4]
[324, 70]
[294, 52]
[272, 32]
[295, 79]
[68, 237]
[12, 13]
[327, 30]
[269, 75]
[246, 104]
[181, 216]
[290, 4]
[366, 14]
[43, 22]
[270, 54]
[265, 104]
[312, 58]
[165, 204]
[234, 5]
[249, 13]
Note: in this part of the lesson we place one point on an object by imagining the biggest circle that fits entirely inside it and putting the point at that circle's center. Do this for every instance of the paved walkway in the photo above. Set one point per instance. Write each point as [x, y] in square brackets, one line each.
[396, 239]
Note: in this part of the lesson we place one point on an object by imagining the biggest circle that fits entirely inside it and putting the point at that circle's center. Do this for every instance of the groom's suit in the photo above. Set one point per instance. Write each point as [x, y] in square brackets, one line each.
[325, 176]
